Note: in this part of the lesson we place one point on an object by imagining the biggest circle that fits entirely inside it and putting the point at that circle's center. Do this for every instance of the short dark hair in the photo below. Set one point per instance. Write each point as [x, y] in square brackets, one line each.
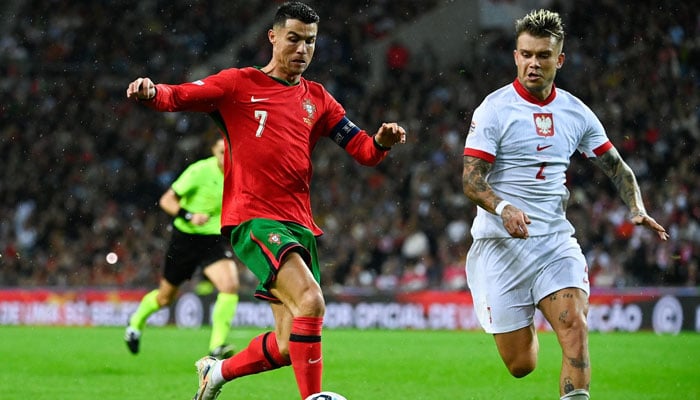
[541, 23]
[295, 10]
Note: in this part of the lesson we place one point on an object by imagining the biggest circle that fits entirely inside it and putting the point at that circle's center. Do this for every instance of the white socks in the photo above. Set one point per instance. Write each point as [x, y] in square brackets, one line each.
[216, 377]
[578, 394]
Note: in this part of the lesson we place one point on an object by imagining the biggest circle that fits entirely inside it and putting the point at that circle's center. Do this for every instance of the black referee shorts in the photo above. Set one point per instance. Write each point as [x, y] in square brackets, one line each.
[188, 252]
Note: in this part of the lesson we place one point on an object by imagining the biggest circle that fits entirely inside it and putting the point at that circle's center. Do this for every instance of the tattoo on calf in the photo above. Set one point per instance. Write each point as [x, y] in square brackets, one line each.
[568, 385]
[578, 363]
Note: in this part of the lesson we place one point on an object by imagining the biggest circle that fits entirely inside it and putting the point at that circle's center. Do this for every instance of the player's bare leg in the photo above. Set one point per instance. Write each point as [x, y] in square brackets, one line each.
[166, 293]
[283, 327]
[297, 289]
[223, 275]
[518, 350]
[566, 311]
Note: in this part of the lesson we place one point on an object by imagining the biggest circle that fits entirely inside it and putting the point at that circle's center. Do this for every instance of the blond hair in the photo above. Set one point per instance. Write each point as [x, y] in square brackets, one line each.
[541, 23]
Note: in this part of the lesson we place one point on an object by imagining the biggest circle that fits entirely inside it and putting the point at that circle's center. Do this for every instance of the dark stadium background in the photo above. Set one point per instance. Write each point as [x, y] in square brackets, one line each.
[82, 169]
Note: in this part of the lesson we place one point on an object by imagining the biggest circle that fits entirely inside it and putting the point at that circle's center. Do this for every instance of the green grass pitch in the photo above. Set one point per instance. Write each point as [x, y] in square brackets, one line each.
[80, 363]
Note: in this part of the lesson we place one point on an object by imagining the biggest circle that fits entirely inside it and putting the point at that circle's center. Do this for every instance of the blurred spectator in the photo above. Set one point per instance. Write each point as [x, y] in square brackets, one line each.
[82, 168]
[398, 57]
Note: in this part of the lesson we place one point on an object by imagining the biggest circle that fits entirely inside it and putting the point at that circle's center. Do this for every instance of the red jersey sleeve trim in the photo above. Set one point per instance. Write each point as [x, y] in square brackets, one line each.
[602, 148]
[479, 154]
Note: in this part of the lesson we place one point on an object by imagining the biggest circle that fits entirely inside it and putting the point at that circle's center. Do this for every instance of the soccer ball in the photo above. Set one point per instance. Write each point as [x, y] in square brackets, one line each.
[326, 396]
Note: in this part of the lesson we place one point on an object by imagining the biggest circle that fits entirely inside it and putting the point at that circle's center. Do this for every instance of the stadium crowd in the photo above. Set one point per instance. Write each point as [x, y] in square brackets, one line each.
[82, 168]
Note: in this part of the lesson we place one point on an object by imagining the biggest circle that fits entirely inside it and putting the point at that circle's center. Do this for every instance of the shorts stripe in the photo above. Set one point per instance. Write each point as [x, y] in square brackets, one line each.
[271, 260]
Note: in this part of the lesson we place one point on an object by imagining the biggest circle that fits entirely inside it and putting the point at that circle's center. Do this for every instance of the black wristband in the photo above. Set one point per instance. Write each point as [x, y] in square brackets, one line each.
[379, 146]
[184, 214]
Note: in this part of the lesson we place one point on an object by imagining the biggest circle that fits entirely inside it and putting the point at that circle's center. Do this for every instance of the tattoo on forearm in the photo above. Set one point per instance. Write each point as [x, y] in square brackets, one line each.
[623, 178]
[474, 183]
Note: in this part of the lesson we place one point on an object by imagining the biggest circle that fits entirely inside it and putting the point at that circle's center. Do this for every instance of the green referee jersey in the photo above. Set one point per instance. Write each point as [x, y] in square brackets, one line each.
[200, 188]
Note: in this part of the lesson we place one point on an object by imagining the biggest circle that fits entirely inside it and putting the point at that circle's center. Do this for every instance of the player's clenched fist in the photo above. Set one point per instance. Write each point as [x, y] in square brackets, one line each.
[141, 89]
[389, 134]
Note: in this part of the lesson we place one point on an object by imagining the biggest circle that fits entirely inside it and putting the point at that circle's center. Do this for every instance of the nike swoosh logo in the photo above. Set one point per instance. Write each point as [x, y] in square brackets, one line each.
[540, 147]
[253, 99]
[312, 361]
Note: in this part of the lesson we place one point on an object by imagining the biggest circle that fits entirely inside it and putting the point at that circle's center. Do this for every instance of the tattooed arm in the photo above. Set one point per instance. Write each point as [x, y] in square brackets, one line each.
[480, 192]
[475, 186]
[626, 183]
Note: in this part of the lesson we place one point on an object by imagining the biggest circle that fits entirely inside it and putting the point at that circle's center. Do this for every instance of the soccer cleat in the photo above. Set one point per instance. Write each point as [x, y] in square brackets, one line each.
[132, 337]
[207, 389]
[223, 351]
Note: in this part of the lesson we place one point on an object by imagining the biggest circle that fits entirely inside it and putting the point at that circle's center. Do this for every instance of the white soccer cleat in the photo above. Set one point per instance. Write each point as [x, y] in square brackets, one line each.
[207, 389]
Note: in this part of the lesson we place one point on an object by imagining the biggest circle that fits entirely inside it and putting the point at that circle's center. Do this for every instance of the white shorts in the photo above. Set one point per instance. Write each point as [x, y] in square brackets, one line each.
[508, 277]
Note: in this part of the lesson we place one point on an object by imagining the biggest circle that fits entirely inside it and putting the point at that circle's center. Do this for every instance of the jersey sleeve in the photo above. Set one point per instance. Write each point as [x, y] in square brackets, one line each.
[483, 137]
[201, 95]
[355, 141]
[595, 141]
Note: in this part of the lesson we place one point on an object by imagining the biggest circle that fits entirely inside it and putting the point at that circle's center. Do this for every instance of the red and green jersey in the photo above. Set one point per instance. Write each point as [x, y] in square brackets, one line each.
[270, 128]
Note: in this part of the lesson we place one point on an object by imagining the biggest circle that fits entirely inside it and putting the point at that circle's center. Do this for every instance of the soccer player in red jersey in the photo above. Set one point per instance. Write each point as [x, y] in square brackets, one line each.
[271, 119]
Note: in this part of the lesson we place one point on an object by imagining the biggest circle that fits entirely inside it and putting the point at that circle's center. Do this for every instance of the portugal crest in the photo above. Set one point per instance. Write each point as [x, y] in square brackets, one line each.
[544, 124]
[310, 109]
[274, 238]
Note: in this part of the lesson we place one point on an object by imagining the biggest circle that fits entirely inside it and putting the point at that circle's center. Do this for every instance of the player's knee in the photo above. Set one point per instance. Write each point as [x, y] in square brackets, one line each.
[521, 363]
[521, 368]
[165, 299]
[312, 304]
[574, 329]
[229, 287]
[222, 275]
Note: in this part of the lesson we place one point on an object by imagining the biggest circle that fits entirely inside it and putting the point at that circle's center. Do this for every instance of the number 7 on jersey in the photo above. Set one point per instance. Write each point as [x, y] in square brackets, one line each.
[261, 116]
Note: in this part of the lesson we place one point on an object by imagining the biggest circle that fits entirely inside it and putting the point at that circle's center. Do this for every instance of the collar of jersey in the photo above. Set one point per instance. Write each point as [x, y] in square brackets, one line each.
[282, 81]
[527, 96]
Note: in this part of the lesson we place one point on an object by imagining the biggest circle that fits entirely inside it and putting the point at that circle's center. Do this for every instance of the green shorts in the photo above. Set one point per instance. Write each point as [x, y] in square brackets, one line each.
[261, 244]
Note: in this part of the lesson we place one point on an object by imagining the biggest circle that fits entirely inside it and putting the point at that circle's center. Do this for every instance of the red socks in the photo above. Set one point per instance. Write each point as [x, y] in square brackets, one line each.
[262, 354]
[305, 353]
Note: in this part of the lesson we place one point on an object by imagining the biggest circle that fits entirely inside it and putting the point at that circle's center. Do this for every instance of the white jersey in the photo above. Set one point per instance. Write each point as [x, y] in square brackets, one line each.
[530, 143]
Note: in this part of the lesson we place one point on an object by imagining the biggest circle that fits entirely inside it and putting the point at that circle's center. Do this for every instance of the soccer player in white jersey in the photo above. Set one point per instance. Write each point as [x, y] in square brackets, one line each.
[524, 255]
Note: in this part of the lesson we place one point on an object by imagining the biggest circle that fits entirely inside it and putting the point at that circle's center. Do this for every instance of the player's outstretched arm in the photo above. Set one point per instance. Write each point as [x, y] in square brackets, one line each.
[141, 89]
[371, 150]
[623, 177]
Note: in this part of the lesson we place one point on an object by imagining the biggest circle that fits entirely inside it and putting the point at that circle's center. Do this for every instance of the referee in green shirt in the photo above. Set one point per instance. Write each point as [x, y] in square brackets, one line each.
[194, 200]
